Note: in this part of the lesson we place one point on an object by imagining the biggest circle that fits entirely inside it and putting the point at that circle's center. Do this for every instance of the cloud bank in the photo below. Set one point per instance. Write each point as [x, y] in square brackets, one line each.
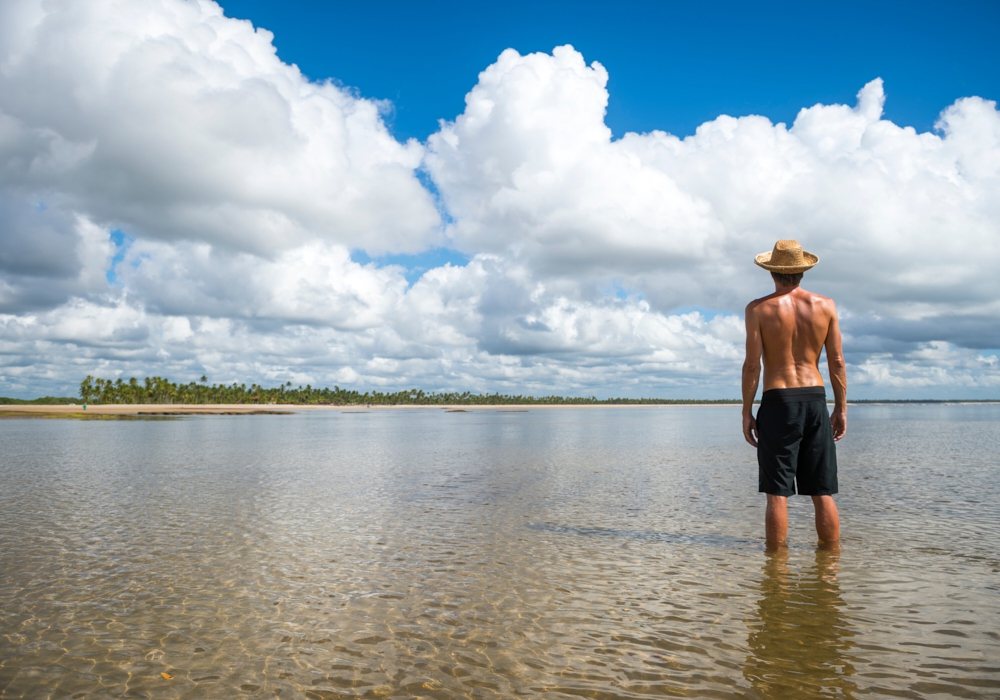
[176, 200]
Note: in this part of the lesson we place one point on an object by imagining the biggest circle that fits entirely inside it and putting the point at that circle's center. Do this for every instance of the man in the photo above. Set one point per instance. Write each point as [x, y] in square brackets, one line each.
[793, 432]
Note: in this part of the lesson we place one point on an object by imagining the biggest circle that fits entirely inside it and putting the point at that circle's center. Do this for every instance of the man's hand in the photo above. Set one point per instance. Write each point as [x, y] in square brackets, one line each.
[750, 429]
[838, 421]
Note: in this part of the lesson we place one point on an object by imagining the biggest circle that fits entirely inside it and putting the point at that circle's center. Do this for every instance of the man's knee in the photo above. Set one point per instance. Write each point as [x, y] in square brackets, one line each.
[775, 501]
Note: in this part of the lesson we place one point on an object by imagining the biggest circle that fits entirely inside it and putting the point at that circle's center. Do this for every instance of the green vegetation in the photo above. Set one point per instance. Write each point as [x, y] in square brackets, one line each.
[44, 401]
[163, 391]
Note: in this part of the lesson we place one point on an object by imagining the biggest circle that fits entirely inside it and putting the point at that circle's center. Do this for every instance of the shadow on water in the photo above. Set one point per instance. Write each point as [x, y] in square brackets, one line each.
[799, 639]
[719, 541]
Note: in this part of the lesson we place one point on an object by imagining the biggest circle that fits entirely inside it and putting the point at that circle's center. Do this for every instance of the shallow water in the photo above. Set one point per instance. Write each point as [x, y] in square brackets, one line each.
[602, 553]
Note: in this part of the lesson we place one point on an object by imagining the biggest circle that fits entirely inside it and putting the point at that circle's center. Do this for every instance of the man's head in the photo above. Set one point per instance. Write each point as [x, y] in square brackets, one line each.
[787, 280]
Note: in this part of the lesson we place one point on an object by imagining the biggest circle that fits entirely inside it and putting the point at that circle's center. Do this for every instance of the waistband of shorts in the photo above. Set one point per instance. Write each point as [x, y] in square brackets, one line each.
[798, 394]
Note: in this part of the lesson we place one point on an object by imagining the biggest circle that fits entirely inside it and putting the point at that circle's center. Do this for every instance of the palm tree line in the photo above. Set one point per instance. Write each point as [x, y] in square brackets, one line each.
[159, 390]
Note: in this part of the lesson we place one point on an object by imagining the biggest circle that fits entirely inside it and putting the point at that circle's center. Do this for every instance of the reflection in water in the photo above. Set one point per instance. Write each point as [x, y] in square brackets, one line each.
[799, 640]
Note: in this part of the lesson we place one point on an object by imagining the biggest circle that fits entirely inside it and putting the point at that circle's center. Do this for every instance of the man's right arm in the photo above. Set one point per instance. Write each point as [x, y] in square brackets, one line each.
[751, 373]
[838, 375]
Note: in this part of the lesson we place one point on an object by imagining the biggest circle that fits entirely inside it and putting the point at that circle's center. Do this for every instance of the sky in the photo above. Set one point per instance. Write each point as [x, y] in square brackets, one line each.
[672, 65]
[545, 198]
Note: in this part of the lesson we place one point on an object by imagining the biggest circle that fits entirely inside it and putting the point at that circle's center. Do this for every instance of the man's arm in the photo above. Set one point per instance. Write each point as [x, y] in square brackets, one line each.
[838, 376]
[751, 373]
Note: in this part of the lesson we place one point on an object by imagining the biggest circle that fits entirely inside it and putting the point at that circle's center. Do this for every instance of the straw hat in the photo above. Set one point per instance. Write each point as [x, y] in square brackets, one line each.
[787, 258]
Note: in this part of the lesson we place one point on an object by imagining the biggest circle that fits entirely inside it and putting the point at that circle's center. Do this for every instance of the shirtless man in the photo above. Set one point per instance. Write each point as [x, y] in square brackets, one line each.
[793, 432]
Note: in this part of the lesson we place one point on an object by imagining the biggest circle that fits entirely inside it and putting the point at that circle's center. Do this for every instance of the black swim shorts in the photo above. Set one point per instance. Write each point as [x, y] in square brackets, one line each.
[795, 443]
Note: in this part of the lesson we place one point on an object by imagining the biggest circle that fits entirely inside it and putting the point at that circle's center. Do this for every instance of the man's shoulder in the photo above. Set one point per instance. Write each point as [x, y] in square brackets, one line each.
[757, 303]
[817, 299]
[764, 306]
[773, 303]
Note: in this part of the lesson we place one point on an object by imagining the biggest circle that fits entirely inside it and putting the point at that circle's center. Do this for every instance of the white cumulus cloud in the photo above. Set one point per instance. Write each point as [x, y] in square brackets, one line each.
[905, 223]
[173, 121]
[176, 200]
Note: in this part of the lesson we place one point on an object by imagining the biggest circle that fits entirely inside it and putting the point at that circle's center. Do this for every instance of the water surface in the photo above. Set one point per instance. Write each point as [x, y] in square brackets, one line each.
[602, 553]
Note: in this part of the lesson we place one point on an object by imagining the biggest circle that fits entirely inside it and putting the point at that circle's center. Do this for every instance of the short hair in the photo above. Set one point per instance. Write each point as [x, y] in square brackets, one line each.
[787, 280]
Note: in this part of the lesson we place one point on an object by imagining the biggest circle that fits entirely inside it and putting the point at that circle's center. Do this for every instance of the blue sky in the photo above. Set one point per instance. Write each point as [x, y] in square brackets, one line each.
[673, 65]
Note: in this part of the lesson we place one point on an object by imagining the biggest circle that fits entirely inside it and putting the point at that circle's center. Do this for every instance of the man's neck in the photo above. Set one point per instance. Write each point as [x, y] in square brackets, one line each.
[780, 289]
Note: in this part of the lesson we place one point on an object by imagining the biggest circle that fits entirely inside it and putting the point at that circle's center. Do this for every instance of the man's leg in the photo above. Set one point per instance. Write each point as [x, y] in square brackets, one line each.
[776, 520]
[827, 518]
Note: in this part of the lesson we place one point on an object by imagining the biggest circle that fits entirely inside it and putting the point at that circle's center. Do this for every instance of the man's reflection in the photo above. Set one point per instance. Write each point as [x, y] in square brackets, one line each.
[799, 640]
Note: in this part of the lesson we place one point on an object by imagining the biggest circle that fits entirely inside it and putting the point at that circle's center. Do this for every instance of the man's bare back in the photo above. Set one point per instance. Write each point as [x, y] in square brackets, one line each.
[793, 327]
[788, 331]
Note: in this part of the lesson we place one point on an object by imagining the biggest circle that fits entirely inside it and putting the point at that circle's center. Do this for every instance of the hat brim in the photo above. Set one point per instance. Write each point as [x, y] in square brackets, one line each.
[764, 260]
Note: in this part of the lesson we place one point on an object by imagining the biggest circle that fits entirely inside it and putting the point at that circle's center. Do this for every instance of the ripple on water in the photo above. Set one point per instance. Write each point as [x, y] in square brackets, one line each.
[597, 553]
